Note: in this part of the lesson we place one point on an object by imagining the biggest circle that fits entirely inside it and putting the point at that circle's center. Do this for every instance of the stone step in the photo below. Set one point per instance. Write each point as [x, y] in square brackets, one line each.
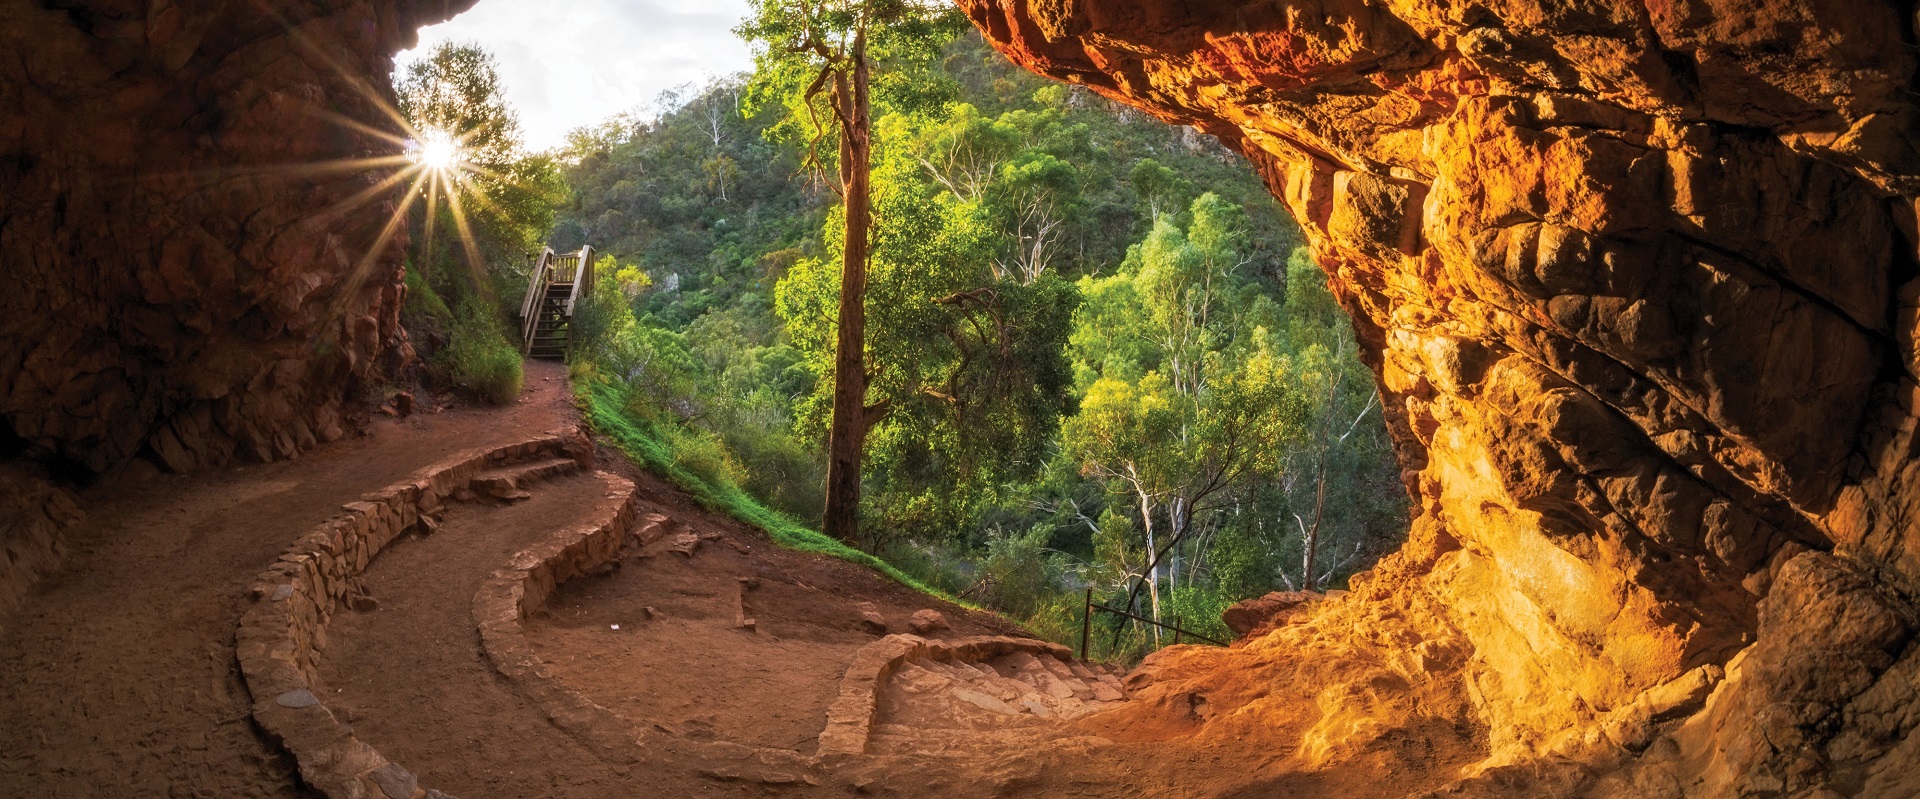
[963, 675]
[1033, 672]
[1065, 675]
[957, 672]
[509, 483]
[652, 527]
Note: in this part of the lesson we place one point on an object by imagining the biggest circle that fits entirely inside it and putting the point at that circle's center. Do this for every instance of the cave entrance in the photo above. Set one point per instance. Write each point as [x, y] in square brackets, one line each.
[1143, 263]
[1103, 368]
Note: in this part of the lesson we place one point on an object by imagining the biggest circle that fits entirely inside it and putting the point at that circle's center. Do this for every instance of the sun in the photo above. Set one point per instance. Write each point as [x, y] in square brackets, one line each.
[436, 150]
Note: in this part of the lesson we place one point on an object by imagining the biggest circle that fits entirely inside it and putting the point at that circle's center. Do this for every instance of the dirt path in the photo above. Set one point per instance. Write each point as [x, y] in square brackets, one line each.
[691, 669]
[410, 677]
[117, 675]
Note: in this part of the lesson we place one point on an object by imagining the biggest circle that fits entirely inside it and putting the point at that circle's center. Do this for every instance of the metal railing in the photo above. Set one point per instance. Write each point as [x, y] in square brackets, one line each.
[1086, 624]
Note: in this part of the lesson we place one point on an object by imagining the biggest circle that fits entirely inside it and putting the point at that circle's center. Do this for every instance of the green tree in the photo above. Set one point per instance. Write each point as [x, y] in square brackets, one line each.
[1198, 406]
[480, 181]
[498, 200]
[818, 55]
[967, 376]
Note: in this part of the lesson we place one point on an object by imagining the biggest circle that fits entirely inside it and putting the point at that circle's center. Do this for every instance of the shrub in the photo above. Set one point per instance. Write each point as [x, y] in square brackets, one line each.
[422, 301]
[479, 357]
[935, 566]
[704, 454]
[1198, 609]
[1242, 564]
[1018, 573]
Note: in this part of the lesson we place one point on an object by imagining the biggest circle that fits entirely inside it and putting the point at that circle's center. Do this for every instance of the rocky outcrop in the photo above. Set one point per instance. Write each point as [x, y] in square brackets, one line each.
[1639, 281]
[195, 241]
[34, 514]
[1260, 615]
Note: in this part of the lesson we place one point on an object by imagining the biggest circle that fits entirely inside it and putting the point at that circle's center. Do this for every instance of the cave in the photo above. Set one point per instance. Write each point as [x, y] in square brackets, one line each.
[1639, 282]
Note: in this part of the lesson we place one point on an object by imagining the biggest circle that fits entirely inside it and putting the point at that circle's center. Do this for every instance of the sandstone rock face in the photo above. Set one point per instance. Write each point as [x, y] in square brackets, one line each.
[1639, 281]
[193, 238]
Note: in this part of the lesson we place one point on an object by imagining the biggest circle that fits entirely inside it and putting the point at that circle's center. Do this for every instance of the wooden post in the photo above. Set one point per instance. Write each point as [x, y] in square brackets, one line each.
[586, 267]
[1176, 629]
[1086, 623]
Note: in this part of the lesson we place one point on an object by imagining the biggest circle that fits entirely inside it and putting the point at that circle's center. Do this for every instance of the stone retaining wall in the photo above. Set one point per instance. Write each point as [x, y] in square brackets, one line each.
[850, 720]
[280, 638]
[501, 607]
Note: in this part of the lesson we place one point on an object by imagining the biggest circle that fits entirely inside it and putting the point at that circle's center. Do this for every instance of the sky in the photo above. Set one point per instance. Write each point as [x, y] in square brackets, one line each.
[567, 64]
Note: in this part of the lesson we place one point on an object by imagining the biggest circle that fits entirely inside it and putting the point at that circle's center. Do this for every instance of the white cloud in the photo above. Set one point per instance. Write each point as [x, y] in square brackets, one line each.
[566, 64]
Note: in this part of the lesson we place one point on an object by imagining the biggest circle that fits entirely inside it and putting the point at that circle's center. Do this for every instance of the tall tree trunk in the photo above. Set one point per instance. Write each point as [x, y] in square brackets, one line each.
[1153, 572]
[847, 440]
[1175, 519]
[1307, 581]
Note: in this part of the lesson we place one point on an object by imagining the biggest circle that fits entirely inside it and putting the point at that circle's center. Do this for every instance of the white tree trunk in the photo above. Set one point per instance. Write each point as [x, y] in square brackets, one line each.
[1153, 574]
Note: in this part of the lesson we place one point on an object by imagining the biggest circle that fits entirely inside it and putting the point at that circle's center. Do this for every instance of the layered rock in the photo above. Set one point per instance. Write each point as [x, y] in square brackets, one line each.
[1640, 284]
[196, 242]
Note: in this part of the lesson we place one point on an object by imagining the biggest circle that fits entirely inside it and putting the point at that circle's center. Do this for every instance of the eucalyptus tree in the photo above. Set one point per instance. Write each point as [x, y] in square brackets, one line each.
[967, 375]
[819, 59]
[1186, 401]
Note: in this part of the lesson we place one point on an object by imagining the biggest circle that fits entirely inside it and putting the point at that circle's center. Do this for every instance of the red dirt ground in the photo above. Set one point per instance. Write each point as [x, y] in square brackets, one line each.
[117, 675]
[691, 670]
[118, 679]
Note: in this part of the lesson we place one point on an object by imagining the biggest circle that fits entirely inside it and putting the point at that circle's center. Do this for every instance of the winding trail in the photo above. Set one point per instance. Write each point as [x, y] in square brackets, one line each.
[117, 675]
[410, 675]
[688, 656]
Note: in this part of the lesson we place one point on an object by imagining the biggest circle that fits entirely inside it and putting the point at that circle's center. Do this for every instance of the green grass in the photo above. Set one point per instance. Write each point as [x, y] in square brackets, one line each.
[602, 402]
[422, 300]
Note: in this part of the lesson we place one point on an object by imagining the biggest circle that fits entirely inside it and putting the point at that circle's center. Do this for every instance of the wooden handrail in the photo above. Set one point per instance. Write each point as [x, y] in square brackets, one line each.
[573, 269]
[1086, 624]
[582, 277]
[529, 308]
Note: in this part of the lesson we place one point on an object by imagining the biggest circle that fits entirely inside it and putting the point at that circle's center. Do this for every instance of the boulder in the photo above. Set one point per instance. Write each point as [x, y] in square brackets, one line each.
[927, 621]
[1250, 616]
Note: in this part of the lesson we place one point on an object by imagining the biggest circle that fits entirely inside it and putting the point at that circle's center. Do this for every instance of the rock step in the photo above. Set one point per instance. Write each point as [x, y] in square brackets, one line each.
[897, 739]
[511, 481]
[653, 526]
[1065, 675]
[1034, 671]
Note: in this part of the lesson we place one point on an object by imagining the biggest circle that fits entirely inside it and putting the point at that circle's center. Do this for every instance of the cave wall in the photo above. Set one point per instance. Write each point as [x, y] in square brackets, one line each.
[1638, 280]
[194, 263]
[189, 277]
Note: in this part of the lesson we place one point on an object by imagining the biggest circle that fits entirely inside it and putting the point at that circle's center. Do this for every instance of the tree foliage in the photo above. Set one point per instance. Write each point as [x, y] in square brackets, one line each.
[1096, 354]
[473, 219]
[498, 203]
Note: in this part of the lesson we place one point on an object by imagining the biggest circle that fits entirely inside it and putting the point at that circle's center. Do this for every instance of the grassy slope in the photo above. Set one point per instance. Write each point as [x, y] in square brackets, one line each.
[601, 402]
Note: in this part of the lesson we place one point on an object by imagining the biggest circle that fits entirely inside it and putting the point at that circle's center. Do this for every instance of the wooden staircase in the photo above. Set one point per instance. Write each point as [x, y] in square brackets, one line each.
[559, 281]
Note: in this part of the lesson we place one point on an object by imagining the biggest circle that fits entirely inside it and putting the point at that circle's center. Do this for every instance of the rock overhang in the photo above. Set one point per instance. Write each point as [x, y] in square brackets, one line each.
[1631, 277]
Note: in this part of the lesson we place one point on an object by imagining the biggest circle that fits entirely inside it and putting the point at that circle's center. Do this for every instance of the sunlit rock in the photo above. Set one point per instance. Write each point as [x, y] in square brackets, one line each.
[1639, 285]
